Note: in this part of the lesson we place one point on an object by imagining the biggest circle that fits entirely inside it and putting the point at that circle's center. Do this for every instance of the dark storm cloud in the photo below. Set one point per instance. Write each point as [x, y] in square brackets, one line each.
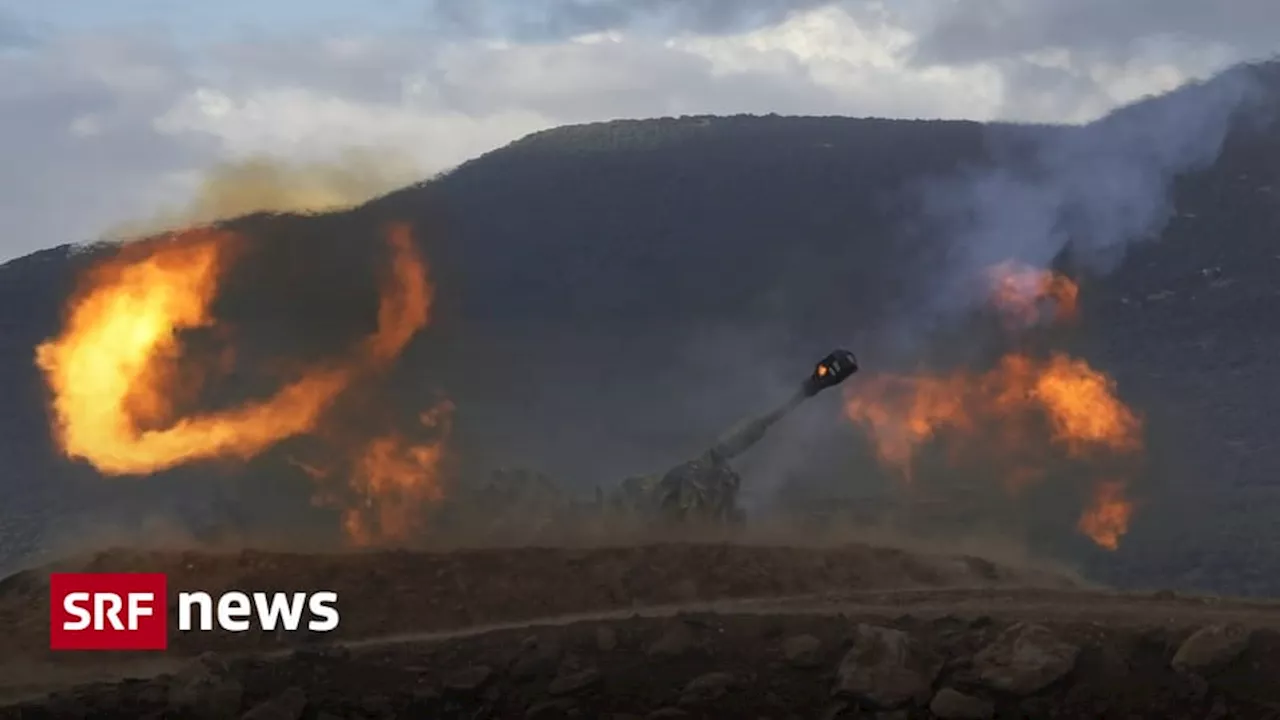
[978, 30]
[557, 19]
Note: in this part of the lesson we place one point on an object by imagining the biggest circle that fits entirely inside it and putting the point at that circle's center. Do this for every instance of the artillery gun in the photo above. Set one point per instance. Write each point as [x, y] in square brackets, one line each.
[706, 488]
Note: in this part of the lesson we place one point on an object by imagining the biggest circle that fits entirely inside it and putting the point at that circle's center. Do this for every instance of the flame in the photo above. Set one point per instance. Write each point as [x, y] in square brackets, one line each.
[1004, 408]
[902, 412]
[1084, 412]
[394, 479]
[112, 369]
[1075, 403]
[1106, 519]
[1027, 297]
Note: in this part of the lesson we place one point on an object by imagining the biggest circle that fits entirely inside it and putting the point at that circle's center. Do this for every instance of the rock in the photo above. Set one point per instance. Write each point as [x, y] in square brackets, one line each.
[1042, 707]
[950, 624]
[707, 688]
[538, 658]
[426, 696]
[686, 590]
[802, 651]
[1113, 661]
[327, 652]
[1024, 659]
[834, 711]
[677, 640]
[606, 639]
[1211, 648]
[424, 701]
[469, 680]
[288, 705]
[1196, 688]
[668, 713]
[153, 694]
[65, 705]
[552, 709]
[885, 669]
[377, 705]
[771, 628]
[574, 682]
[204, 689]
[951, 704]
[534, 665]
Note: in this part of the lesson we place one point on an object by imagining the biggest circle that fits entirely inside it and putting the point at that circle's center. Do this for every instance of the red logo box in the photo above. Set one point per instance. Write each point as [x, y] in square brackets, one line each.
[108, 611]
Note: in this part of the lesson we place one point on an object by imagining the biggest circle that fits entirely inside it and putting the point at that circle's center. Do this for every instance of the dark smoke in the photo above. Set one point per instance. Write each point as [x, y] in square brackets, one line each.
[558, 19]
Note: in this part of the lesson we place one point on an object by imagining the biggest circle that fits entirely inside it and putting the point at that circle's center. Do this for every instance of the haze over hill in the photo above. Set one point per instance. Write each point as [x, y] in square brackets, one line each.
[612, 296]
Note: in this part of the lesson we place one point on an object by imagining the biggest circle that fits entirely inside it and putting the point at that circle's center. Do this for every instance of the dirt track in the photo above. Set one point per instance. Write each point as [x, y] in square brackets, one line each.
[760, 632]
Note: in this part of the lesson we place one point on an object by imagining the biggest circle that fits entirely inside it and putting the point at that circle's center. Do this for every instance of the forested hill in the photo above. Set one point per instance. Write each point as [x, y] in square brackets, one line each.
[612, 296]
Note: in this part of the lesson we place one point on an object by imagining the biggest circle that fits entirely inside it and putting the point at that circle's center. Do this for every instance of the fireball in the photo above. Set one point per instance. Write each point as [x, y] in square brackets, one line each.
[1002, 409]
[1027, 297]
[119, 368]
[1106, 519]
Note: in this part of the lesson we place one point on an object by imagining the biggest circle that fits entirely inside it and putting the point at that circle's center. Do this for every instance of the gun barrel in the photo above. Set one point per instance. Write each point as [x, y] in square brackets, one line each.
[832, 370]
[750, 433]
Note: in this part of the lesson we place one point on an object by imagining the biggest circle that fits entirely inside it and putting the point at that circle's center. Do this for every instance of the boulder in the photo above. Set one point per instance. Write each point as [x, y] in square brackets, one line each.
[1025, 659]
[885, 669]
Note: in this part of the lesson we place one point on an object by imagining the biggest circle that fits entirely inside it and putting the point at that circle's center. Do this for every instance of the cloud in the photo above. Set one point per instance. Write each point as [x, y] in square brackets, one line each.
[75, 135]
[979, 30]
[100, 129]
[562, 19]
[13, 33]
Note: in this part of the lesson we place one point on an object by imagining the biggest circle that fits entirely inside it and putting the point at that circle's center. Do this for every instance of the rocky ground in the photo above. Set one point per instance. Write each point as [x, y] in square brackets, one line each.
[708, 631]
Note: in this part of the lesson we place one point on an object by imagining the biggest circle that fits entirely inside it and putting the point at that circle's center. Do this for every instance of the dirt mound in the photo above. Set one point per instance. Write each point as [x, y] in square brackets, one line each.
[387, 593]
[663, 631]
[792, 665]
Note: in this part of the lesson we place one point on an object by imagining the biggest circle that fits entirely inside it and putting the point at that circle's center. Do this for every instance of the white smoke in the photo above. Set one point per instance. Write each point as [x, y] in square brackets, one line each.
[1098, 188]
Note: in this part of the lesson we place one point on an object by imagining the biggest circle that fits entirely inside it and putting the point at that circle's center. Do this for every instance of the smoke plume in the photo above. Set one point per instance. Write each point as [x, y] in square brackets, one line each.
[1097, 189]
[266, 184]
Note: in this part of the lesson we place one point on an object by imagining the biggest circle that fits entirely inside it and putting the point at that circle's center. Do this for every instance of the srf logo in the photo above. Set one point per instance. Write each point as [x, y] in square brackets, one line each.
[108, 611]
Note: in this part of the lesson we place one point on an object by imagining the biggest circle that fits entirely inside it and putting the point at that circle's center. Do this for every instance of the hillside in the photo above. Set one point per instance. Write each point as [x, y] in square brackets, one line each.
[612, 296]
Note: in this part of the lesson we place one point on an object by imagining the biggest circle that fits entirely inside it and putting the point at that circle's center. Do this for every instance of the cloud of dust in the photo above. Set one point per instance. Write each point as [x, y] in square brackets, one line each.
[269, 184]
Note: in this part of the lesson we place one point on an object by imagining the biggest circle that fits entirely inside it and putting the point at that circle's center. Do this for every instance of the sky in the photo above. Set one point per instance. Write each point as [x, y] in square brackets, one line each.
[111, 110]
